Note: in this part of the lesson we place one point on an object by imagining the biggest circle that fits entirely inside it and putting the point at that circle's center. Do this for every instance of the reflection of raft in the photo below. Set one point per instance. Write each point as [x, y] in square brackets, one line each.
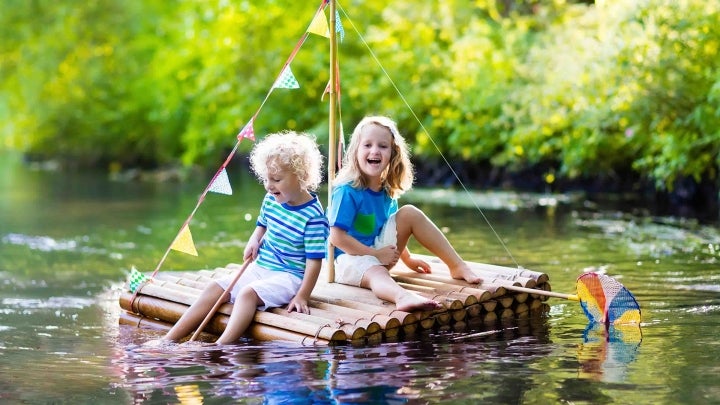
[341, 313]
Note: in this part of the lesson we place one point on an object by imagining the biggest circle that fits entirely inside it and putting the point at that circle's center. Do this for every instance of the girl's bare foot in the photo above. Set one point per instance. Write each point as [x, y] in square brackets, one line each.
[412, 302]
[463, 272]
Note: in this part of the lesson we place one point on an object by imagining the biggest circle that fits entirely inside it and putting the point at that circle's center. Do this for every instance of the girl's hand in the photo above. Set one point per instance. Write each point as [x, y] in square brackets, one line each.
[418, 265]
[299, 304]
[387, 255]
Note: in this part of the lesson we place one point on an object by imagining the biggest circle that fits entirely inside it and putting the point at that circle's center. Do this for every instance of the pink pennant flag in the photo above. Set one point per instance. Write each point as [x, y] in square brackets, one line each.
[184, 242]
[319, 25]
[286, 80]
[221, 184]
[247, 132]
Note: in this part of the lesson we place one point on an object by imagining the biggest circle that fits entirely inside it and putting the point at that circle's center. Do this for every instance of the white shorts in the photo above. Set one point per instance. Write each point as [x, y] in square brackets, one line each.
[275, 288]
[350, 269]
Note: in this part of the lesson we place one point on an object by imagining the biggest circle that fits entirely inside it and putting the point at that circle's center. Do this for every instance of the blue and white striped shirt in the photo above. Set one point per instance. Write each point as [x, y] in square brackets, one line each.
[293, 235]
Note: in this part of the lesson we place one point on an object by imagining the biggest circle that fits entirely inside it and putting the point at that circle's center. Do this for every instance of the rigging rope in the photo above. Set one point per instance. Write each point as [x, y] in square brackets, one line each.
[425, 131]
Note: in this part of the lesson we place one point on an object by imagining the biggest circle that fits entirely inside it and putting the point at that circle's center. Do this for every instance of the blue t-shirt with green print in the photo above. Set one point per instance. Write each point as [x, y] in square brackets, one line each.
[360, 212]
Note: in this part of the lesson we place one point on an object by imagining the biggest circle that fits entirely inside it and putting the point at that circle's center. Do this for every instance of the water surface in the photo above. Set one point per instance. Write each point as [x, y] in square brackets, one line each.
[68, 240]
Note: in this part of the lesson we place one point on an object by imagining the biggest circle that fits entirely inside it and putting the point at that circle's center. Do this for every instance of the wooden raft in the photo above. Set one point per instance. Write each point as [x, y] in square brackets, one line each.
[344, 314]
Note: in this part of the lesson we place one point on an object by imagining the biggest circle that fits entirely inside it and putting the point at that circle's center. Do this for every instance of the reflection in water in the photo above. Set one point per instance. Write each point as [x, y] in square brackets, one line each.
[607, 352]
[285, 373]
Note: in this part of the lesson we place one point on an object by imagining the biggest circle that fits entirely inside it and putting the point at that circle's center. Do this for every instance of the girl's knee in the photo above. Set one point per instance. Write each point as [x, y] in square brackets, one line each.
[408, 211]
[373, 275]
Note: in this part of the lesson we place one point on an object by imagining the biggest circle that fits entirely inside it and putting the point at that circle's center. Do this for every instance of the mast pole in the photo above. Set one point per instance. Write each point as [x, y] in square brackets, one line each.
[332, 130]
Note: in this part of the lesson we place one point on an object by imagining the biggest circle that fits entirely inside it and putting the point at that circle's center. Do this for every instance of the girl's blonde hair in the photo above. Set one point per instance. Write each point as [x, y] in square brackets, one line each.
[288, 150]
[399, 176]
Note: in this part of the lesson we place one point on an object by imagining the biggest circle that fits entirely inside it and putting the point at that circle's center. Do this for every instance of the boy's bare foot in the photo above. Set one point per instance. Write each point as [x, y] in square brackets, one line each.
[412, 302]
[160, 343]
[463, 272]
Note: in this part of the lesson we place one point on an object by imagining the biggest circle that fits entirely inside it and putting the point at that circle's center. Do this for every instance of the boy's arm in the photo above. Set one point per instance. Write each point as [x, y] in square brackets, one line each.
[300, 301]
[253, 244]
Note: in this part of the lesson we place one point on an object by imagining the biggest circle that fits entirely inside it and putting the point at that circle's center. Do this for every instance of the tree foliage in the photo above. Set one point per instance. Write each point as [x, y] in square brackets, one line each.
[585, 89]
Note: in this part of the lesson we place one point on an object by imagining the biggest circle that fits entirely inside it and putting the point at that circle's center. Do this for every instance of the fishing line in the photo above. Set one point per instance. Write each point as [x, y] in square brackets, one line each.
[404, 100]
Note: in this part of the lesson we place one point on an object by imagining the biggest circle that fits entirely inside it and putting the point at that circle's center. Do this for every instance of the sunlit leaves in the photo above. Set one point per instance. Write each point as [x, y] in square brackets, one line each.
[584, 89]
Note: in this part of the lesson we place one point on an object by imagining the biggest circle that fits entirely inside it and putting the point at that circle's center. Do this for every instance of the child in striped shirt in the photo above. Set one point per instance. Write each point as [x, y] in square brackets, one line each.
[288, 243]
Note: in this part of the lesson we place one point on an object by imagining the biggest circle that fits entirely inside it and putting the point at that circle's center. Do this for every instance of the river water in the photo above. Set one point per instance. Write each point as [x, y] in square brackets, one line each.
[68, 240]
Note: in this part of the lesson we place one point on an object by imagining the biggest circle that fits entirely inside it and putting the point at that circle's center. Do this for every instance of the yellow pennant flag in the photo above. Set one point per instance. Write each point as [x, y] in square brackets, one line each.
[319, 25]
[184, 242]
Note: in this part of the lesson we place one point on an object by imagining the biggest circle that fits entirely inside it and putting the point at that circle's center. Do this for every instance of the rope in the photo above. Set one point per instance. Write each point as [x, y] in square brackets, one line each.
[432, 140]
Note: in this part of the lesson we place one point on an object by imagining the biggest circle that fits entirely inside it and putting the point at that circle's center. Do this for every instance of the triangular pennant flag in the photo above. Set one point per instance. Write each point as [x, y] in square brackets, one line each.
[341, 147]
[327, 91]
[135, 279]
[221, 184]
[319, 25]
[184, 242]
[247, 132]
[339, 27]
[286, 80]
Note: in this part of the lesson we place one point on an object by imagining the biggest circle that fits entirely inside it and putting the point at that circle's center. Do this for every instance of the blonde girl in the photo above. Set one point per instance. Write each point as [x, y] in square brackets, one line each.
[370, 231]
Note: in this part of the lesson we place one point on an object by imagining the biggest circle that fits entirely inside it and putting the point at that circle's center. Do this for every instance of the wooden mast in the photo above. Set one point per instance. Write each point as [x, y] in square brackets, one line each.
[332, 133]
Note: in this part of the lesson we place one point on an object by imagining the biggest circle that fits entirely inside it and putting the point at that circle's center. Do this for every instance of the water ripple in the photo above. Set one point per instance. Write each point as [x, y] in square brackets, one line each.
[41, 243]
[52, 302]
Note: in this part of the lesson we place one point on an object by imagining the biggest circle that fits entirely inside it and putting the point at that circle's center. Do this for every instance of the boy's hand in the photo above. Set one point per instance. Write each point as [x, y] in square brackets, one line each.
[299, 304]
[251, 251]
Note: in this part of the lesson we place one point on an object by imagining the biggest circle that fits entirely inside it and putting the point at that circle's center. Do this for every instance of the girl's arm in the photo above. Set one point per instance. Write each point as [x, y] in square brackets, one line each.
[418, 265]
[253, 244]
[387, 255]
[300, 301]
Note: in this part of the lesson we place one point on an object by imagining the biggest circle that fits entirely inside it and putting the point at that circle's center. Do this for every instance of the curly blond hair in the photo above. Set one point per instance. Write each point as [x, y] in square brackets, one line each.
[399, 176]
[288, 150]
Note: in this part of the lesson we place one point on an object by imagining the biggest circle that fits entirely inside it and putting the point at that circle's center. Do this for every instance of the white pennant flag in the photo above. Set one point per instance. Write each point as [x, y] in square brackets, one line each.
[286, 80]
[221, 184]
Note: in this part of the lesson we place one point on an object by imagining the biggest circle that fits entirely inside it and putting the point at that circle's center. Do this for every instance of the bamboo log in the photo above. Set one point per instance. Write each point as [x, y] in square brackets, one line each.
[171, 278]
[446, 300]
[255, 331]
[408, 322]
[474, 310]
[506, 301]
[440, 288]
[299, 320]
[489, 277]
[481, 294]
[369, 326]
[386, 323]
[141, 322]
[490, 318]
[362, 298]
[158, 291]
[169, 311]
[522, 310]
[489, 306]
[172, 283]
[502, 271]
[505, 313]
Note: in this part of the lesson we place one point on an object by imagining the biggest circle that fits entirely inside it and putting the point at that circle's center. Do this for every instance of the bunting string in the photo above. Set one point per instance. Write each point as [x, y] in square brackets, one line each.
[220, 182]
